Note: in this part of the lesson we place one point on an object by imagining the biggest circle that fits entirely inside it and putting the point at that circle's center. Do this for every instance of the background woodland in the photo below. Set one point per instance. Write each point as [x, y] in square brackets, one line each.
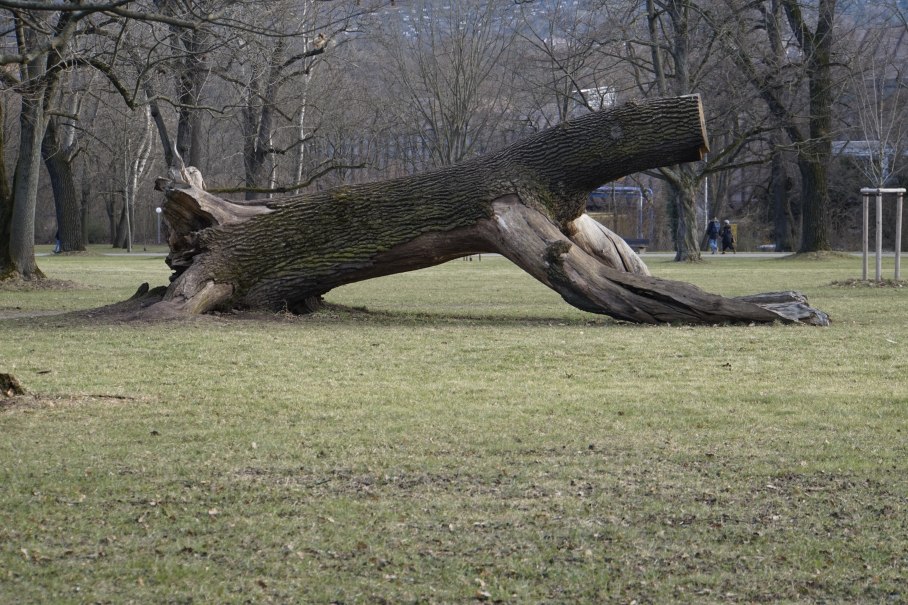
[805, 105]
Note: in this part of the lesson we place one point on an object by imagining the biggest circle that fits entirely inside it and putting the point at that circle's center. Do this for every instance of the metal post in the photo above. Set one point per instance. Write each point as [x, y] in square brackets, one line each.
[158, 212]
[879, 236]
[879, 192]
[865, 232]
[898, 236]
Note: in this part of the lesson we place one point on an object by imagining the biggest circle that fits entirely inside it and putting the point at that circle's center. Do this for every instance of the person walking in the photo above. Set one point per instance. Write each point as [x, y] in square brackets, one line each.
[728, 238]
[712, 235]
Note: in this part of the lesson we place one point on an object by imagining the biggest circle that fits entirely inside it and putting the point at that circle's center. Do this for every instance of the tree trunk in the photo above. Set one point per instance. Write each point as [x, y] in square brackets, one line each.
[684, 194]
[781, 206]
[815, 154]
[6, 208]
[66, 202]
[526, 202]
[190, 80]
[257, 125]
[86, 196]
[25, 187]
[116, 220]
[814, 203]
[121, 228]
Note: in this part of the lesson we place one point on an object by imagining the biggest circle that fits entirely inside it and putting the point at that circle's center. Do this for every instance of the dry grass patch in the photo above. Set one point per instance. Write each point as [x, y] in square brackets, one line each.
[869, 283]
[458, 435]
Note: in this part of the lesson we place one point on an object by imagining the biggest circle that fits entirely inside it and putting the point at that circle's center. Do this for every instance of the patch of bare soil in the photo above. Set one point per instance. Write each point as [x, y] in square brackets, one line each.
[140, 308]
[869, 283]
[821, 255]
[34, 285]
[18, 313]
[14, 396]
[146, 307]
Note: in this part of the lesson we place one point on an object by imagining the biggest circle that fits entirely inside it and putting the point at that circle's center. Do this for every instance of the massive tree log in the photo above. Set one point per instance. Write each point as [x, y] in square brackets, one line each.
[525, 202]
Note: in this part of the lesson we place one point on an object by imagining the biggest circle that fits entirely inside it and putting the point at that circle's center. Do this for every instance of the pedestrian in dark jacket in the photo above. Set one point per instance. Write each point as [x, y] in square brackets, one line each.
[728, 238]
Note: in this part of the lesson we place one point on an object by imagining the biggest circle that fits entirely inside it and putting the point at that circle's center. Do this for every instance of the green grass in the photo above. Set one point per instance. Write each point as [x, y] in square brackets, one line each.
[455, 435]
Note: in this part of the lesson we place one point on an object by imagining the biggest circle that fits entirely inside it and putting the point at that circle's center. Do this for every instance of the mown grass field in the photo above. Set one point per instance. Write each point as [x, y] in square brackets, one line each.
[455, 435]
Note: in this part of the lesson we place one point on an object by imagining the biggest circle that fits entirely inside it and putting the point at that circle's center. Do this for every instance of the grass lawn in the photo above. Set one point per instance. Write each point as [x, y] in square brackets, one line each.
[455, 435]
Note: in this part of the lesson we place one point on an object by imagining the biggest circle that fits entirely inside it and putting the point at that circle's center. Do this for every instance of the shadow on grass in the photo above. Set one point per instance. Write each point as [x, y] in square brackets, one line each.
[142, 309]
[822, 255]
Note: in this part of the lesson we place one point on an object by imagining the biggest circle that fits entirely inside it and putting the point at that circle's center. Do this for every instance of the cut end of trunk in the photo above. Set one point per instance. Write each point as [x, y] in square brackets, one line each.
[704, 148]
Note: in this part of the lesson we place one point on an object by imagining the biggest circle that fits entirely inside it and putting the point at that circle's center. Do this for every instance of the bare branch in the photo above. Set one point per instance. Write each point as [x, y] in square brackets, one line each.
[57, 7]
[290, 188]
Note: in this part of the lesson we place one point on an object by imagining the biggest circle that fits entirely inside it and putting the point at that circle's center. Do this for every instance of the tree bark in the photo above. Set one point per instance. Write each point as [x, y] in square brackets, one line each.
[684, 190]
[6, 209]
[815, 154]
[39, 77]
[119, 227]
[58, 162]
[190, 80]
[781, 206]
[190, 73]
[526, 202]
[86, 196]
[25, 188]
[257, 124]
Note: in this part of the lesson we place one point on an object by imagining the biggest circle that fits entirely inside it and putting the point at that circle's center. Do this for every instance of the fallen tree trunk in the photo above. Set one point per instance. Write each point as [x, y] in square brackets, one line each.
[526, 202]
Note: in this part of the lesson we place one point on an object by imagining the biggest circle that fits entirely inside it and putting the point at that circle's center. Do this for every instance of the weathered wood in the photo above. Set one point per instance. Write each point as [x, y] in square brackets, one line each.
[588, 284]
[526, 202]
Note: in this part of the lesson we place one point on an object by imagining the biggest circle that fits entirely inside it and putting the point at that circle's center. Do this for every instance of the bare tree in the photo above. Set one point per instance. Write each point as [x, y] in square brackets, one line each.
[669, 48]
[563, 70]
[448, 63]
[136, 153]
[189, 50]
[6, 204]
[249, 74]
[39, 71]
[776, 59]
[44, 51]
[810, 55]
[54, 38]
[59, 149]
[879, 111]
[267, 65]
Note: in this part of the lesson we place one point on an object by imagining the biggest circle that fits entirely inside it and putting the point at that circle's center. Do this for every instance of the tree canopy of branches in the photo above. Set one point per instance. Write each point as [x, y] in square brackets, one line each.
[99, 96]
